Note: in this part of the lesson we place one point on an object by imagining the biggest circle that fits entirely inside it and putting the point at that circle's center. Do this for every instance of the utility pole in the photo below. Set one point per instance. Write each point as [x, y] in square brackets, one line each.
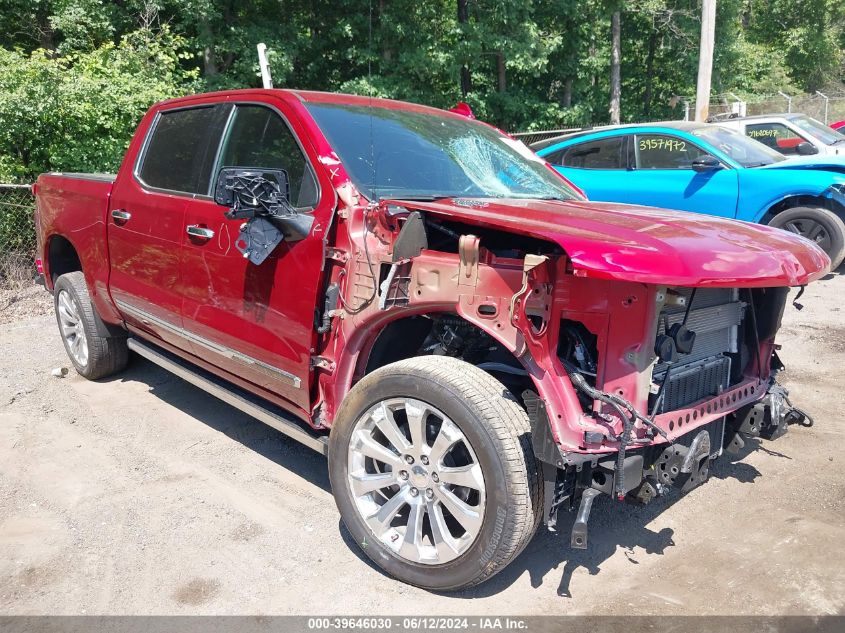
[705, 59]
[615, 64]
[788, 100]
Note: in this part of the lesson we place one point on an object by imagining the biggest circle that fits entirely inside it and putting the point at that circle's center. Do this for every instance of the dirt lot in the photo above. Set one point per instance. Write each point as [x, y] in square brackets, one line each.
[141, 494]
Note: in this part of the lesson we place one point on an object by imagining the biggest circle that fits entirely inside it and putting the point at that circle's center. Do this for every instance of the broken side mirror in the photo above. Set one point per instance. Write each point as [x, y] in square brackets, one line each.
[250, 191]
[260, 196]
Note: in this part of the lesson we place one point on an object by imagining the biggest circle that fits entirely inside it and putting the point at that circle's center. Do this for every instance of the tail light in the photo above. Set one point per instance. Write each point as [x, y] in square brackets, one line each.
[39, 266]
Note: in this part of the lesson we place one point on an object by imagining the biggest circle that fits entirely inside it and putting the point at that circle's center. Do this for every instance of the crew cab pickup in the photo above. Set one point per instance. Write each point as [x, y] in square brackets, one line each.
[421, 298]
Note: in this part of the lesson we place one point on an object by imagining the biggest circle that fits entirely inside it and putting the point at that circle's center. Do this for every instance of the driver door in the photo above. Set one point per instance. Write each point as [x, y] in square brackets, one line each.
[255, 322]
[663, 177]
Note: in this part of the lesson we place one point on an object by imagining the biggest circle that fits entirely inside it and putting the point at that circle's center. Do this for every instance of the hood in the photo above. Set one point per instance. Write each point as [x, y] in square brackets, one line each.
[648, 245]
[823, 163]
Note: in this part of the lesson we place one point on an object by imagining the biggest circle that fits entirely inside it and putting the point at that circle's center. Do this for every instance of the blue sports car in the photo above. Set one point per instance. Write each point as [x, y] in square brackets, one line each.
[707, 169]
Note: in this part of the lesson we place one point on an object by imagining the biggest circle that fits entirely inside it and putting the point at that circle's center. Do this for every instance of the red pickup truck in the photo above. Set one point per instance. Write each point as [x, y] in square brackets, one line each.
[413, 293]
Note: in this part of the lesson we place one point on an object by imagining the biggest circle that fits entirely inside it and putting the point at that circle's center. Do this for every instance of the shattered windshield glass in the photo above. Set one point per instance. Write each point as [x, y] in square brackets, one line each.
[392, 153]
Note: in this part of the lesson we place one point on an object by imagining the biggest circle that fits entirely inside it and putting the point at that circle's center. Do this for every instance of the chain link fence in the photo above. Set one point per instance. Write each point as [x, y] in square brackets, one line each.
[825, 107]
[17, 236]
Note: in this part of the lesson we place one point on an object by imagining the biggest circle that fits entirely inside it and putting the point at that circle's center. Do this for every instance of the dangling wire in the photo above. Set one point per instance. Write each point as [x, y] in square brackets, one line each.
[373, 202]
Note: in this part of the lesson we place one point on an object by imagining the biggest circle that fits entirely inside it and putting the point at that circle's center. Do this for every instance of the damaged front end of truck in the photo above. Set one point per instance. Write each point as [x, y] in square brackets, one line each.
[707, 384]
[638, 360]
[640, 342]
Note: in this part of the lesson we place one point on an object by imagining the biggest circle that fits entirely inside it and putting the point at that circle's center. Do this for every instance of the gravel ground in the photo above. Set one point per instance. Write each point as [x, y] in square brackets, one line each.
[143, 495]
[20, 302]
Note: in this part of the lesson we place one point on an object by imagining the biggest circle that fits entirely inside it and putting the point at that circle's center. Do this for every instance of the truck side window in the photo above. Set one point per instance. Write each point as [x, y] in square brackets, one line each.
[659, 151]
[178, 150]
[258, 137]
[775, 135]
[606, 153]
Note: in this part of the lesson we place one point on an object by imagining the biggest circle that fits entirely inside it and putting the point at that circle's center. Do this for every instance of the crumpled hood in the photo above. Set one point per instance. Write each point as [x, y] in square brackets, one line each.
[648, 245]
[822, 163]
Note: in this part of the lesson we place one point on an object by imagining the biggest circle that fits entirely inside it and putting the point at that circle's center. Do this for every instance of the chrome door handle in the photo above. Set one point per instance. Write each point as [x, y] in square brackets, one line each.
[120, 214]
[195, 230]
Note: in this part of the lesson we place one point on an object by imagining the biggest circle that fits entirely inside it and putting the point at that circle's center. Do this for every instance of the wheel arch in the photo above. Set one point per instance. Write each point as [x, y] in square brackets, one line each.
[402, 337]
[801, 200]
[62, 257]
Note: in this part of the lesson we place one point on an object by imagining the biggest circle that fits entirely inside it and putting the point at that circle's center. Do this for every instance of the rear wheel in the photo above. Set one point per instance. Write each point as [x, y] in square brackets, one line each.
[818, 225]
[432, 470]
[94, 351]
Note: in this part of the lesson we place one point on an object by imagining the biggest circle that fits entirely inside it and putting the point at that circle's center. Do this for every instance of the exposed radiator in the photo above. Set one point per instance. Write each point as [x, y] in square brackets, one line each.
[694, 381]
[715, 316]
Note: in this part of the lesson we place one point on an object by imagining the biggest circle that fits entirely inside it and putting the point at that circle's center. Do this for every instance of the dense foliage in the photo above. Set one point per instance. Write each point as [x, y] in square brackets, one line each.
[76, 75]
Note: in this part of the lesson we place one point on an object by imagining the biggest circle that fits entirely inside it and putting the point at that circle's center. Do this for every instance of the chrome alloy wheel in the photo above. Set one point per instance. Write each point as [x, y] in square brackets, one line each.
[72, 328]
[416, 481]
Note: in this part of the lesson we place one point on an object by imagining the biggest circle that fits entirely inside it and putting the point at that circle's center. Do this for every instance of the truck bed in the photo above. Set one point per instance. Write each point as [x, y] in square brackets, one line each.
[75, 207]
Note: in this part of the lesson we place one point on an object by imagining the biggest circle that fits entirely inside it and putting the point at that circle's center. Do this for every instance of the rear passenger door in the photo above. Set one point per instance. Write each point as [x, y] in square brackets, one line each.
[663, 177]
[597, 166]
[147, 216]
[256, 321]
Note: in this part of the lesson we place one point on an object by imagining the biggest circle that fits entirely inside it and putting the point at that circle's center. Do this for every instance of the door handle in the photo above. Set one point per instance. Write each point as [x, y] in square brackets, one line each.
[120, 214]
[195, 230]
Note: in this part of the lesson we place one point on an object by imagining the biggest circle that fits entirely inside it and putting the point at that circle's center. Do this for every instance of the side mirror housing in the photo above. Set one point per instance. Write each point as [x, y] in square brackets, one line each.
[706, 163]
[262, 197]
[806, 149]
[252, 189]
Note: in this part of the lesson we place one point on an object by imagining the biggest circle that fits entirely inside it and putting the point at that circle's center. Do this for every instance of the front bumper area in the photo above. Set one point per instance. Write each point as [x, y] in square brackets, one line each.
[573, 480]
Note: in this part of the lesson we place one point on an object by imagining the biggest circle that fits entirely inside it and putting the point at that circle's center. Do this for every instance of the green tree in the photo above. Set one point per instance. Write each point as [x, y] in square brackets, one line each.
[77, 112]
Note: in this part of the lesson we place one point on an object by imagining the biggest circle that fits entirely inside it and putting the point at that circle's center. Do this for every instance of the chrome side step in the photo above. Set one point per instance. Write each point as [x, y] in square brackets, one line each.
[230, 395]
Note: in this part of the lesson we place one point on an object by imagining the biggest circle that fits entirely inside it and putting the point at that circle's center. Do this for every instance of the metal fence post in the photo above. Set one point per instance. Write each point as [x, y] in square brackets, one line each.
[788, 101]
[826, 104]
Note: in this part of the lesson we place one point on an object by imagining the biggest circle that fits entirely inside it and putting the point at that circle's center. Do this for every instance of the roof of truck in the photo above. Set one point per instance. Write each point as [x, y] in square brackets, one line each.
[311, 96]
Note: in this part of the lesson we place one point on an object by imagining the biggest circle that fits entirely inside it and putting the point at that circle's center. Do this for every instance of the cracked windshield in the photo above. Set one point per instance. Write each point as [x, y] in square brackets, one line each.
[426, 156]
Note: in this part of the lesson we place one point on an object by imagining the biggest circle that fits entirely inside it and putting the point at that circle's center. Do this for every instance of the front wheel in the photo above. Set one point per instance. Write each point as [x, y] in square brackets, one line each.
[432, 470]
[818, 225]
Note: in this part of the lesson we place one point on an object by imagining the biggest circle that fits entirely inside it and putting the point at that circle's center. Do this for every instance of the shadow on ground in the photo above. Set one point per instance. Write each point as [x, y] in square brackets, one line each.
[254, 435]
[548, 558]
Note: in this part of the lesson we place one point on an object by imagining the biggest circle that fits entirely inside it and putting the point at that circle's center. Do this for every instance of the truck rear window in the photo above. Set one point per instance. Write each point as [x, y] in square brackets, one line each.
[177, 153]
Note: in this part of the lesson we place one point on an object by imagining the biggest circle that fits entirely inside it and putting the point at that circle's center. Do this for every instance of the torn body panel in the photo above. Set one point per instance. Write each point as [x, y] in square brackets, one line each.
[519, 303]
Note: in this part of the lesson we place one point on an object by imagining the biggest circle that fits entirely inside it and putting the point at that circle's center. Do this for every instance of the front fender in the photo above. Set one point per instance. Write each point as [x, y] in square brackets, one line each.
[483, 294]
[759, 191]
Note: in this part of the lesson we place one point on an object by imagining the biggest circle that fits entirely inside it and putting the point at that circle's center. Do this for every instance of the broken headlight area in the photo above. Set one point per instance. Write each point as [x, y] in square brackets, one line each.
[711, 388]
[647, 472]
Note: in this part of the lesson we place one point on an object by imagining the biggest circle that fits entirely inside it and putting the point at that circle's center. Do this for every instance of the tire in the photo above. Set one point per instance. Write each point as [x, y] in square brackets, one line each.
[817, 224]
[94, 351]
[496, 439]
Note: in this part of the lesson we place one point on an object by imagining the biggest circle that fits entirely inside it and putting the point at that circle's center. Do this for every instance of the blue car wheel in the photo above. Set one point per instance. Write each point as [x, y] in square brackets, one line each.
[818, 225]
